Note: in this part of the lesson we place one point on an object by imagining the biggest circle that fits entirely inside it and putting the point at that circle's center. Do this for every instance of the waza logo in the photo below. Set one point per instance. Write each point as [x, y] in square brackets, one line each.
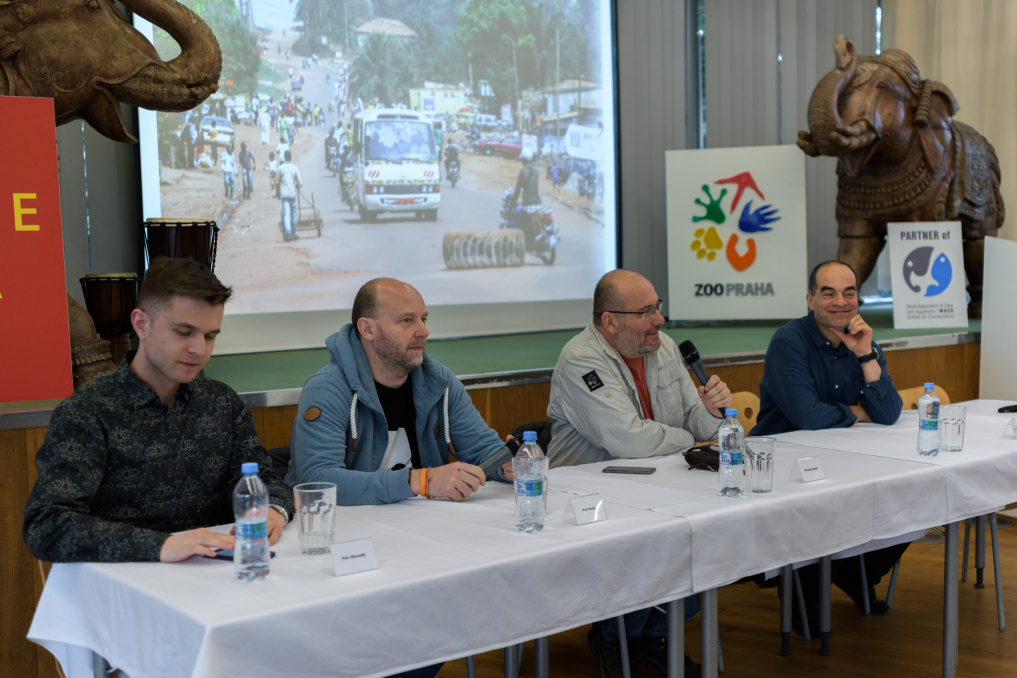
[920, 279]
[708, 240]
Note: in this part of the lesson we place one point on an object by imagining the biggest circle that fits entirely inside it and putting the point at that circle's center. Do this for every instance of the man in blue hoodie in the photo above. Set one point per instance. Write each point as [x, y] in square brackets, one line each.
[381, 419]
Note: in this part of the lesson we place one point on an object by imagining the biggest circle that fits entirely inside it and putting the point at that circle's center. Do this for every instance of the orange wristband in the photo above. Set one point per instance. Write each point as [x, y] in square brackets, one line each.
[423, 482]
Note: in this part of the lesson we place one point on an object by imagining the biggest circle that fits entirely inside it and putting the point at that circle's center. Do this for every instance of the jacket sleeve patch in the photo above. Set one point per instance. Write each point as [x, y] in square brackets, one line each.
[311, 413]
[592, 381]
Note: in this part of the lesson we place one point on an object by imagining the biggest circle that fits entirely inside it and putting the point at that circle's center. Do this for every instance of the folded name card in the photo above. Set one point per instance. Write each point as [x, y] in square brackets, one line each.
[807, 469]
[350, 557]
[588, 509]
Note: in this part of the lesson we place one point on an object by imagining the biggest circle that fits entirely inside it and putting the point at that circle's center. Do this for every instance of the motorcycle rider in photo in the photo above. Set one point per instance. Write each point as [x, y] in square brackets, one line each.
[451, 155]
[528, 187]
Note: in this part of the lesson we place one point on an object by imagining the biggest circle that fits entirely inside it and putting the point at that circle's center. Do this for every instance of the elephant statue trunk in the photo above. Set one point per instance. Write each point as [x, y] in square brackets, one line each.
[901, 157]
[187, 80]
[87, 57]
[824, 118]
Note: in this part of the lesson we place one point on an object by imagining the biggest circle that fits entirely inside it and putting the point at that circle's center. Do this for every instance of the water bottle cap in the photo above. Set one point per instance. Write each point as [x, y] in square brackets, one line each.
[730, 412]
[249, 467]
[530, 435]
[929, 385]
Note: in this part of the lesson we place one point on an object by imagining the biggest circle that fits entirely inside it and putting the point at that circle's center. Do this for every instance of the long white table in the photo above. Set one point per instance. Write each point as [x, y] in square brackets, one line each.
[453, 579]
[457, 579]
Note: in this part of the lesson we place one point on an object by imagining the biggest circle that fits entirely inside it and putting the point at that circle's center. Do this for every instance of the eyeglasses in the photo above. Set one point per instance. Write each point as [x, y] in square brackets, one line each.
[645, 315]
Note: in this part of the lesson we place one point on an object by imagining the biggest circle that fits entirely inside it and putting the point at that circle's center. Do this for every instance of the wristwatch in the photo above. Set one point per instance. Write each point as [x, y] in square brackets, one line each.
[280, 509]
[868, 358]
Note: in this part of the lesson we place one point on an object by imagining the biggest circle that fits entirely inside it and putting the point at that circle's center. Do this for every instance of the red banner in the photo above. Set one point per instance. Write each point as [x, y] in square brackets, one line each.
[35, 346]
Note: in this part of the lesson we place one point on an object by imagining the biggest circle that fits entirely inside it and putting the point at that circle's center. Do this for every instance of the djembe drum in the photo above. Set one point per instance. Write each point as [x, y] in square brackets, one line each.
[110, 298]
[180, 239]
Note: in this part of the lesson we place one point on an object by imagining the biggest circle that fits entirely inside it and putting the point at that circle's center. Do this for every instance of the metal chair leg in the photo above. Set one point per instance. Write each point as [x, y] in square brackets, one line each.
[471, 669]
[825, 583]
[865, 585]
[511, 662]
[623, 645]
[541, 657]
[893, 583]
[980, 552]
[801, 608]
[996, 571]
[964, 561]
[786, 579]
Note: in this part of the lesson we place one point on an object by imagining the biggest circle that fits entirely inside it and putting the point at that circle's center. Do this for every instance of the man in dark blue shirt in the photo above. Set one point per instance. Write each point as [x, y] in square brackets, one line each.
[824, 371]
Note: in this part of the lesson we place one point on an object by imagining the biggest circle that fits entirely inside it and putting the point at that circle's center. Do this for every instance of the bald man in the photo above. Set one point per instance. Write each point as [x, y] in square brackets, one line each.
[620, 390]
[381, 419]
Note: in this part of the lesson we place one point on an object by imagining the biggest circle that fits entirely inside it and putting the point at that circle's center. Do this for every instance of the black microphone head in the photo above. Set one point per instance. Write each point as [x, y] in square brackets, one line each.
[688, 351]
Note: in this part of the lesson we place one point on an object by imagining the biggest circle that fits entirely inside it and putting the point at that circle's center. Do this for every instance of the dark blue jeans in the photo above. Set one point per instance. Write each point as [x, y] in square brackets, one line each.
[423, 672]
[648, 622]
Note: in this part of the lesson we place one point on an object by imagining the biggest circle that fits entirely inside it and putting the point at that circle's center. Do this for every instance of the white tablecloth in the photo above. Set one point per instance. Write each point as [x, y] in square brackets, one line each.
[453, 579]
[456, 578]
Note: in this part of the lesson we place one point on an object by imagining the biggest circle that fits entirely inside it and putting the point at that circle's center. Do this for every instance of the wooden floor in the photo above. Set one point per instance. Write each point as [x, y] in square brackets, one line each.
[906, 643]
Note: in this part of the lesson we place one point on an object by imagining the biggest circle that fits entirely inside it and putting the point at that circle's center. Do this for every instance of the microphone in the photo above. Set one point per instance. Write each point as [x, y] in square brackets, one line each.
[491, 465]
[691, 357]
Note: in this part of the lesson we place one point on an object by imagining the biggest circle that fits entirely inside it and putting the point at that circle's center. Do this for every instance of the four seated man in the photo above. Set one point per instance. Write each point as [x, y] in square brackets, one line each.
[137, 465]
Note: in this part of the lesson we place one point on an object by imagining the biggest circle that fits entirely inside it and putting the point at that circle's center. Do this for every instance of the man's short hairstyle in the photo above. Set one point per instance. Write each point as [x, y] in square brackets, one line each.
[814, 284]
[167, 278]
[605, 296]
[365, 304]
[289, 156]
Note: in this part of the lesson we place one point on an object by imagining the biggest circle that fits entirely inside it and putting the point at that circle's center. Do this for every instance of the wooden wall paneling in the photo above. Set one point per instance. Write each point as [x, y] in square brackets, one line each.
[955, 368]
[481, 398]
[278, 425]
[737, 377]
[517, 405]
[17, 566]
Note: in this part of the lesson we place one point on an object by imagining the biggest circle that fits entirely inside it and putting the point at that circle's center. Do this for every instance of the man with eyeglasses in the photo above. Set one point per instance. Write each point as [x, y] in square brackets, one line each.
[620, 390]
[823, 370]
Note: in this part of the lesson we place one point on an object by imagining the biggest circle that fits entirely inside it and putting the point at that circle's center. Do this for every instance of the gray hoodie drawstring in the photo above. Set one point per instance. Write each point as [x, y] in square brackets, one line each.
[353, 419]
[448, 436]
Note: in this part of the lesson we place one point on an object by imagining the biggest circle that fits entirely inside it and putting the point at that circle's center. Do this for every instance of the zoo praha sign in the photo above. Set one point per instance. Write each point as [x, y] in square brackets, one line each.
[35, 347]
[927, 270]
[736, 233]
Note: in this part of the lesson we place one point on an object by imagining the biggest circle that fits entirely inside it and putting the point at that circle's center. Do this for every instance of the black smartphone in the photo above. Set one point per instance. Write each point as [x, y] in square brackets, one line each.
[636, 470]
[227, 554]
[1007, 409]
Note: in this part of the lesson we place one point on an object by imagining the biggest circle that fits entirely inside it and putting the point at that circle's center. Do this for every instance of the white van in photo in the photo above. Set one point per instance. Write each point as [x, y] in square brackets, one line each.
[395, 163]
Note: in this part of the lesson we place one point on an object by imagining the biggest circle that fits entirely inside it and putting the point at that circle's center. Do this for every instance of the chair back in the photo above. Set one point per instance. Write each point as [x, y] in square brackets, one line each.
[910, 396]
[747, 404]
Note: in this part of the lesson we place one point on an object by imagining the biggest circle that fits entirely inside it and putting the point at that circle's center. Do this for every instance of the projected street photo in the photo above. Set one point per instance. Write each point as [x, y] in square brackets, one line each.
[408, 125]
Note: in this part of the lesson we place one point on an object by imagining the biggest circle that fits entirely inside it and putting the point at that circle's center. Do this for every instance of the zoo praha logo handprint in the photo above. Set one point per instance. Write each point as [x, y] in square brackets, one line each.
[708, 241]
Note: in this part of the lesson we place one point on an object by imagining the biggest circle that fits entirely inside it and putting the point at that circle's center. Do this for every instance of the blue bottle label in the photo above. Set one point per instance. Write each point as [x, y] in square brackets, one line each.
[530, 488]
[252, 531]
[730, 457]
[929, 425]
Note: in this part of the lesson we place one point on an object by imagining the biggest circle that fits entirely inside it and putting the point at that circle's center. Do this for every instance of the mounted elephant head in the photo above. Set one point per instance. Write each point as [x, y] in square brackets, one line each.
[87, 57]
[870, 109]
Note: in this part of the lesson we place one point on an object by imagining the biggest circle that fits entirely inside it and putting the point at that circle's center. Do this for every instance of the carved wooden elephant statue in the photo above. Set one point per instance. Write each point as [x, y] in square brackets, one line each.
[87, 57]
[902, 157]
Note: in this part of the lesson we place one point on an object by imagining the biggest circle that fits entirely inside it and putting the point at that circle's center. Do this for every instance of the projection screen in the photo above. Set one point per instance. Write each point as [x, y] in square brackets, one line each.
[379, 89]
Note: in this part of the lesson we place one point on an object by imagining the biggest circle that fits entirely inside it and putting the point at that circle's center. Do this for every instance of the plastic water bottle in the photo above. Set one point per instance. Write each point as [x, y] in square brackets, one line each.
[250, 510]
[529, 468]
[731, 436]
[928, 422]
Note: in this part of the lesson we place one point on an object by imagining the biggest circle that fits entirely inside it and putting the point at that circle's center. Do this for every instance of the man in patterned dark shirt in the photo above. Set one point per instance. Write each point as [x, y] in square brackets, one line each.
[137, 464]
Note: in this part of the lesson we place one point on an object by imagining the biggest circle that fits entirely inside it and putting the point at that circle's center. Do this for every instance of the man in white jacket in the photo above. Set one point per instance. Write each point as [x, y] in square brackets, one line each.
[620, 390]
